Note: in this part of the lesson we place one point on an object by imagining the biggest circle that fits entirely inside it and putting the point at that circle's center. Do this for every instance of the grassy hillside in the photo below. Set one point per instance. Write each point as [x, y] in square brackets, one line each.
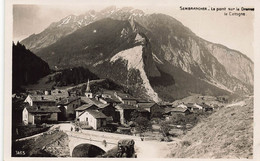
[42, 83]
[227, 133]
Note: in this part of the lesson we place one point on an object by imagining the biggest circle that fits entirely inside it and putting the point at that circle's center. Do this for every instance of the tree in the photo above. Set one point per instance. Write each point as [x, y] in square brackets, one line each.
[142, 124]
[165, 128]
[178, 119]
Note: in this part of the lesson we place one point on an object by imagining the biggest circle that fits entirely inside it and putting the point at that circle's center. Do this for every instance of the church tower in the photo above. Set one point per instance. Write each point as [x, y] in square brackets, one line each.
[88, 92]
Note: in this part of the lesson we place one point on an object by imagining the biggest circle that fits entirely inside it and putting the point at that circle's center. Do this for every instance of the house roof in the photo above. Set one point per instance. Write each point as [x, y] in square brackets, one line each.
[86, 100]
[41, 114]
[167, 109]
[60, 92]
[197, 106]
[95, 113]
[189, 104]
[90, 100]
[179, 109]
[110, 93]
[68, 100]
[86, 106]
[103, 105]
[125, 106]
[42, 98]
[43, 109]
[182, 106]
[205, 105]
[110, 100]
[145, 105]
[141, 100]
[116, 100]
[165, 105]
[142, 110]
[129, 98]
[125, 96]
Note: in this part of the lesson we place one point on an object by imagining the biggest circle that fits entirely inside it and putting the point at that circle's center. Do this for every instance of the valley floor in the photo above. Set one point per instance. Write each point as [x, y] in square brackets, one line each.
[227, 133]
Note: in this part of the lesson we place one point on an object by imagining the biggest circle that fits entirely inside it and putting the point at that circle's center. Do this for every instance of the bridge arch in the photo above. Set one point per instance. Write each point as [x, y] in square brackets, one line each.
[76, 140]
[87, 150]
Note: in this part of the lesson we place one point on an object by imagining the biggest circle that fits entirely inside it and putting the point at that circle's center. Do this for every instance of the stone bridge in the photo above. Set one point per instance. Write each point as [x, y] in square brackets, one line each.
[144, 149]
[103, 140]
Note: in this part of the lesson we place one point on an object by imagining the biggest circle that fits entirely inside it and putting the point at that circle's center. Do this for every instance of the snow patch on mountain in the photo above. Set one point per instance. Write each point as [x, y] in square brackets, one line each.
[134, 60]
[65, 21]
[80, 22]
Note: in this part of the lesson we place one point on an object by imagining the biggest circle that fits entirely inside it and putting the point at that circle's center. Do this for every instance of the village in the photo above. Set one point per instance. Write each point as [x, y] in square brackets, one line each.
[110, 111]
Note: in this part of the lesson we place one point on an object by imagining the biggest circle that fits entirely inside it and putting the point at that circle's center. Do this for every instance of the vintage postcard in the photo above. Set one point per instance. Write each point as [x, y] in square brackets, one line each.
[129, 79]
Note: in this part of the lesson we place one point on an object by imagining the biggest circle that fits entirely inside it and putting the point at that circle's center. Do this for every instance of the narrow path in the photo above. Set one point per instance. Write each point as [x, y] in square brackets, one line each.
[152, 149]
[33, 136]
[29, 137]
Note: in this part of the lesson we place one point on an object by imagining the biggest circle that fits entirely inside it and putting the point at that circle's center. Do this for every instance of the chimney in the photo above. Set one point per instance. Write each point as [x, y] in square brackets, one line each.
[46, 92]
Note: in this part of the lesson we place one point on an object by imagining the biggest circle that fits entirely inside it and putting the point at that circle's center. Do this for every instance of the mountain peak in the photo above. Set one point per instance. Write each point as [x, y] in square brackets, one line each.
[174, 58]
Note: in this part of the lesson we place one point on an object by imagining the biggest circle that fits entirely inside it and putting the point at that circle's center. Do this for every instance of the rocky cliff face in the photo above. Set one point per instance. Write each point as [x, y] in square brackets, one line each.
[213, 63]
[235, 63]
[154, 55]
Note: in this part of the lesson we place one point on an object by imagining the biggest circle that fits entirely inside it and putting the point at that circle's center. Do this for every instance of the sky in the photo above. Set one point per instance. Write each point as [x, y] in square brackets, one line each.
[232, 31]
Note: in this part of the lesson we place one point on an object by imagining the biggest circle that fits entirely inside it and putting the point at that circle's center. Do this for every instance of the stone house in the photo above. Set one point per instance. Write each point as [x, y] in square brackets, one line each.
[152, 108]
[126, 98]
[125, 112]
[67, 107]
[40, 100]
[40, 114]
[110, 111]
[93, 118]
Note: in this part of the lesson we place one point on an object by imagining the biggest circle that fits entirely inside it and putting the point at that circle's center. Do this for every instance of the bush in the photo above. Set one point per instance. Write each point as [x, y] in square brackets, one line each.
[83, 125]
[108, 128]
[165, 128]
[185, 143]
[142, 124]
[126, 131]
